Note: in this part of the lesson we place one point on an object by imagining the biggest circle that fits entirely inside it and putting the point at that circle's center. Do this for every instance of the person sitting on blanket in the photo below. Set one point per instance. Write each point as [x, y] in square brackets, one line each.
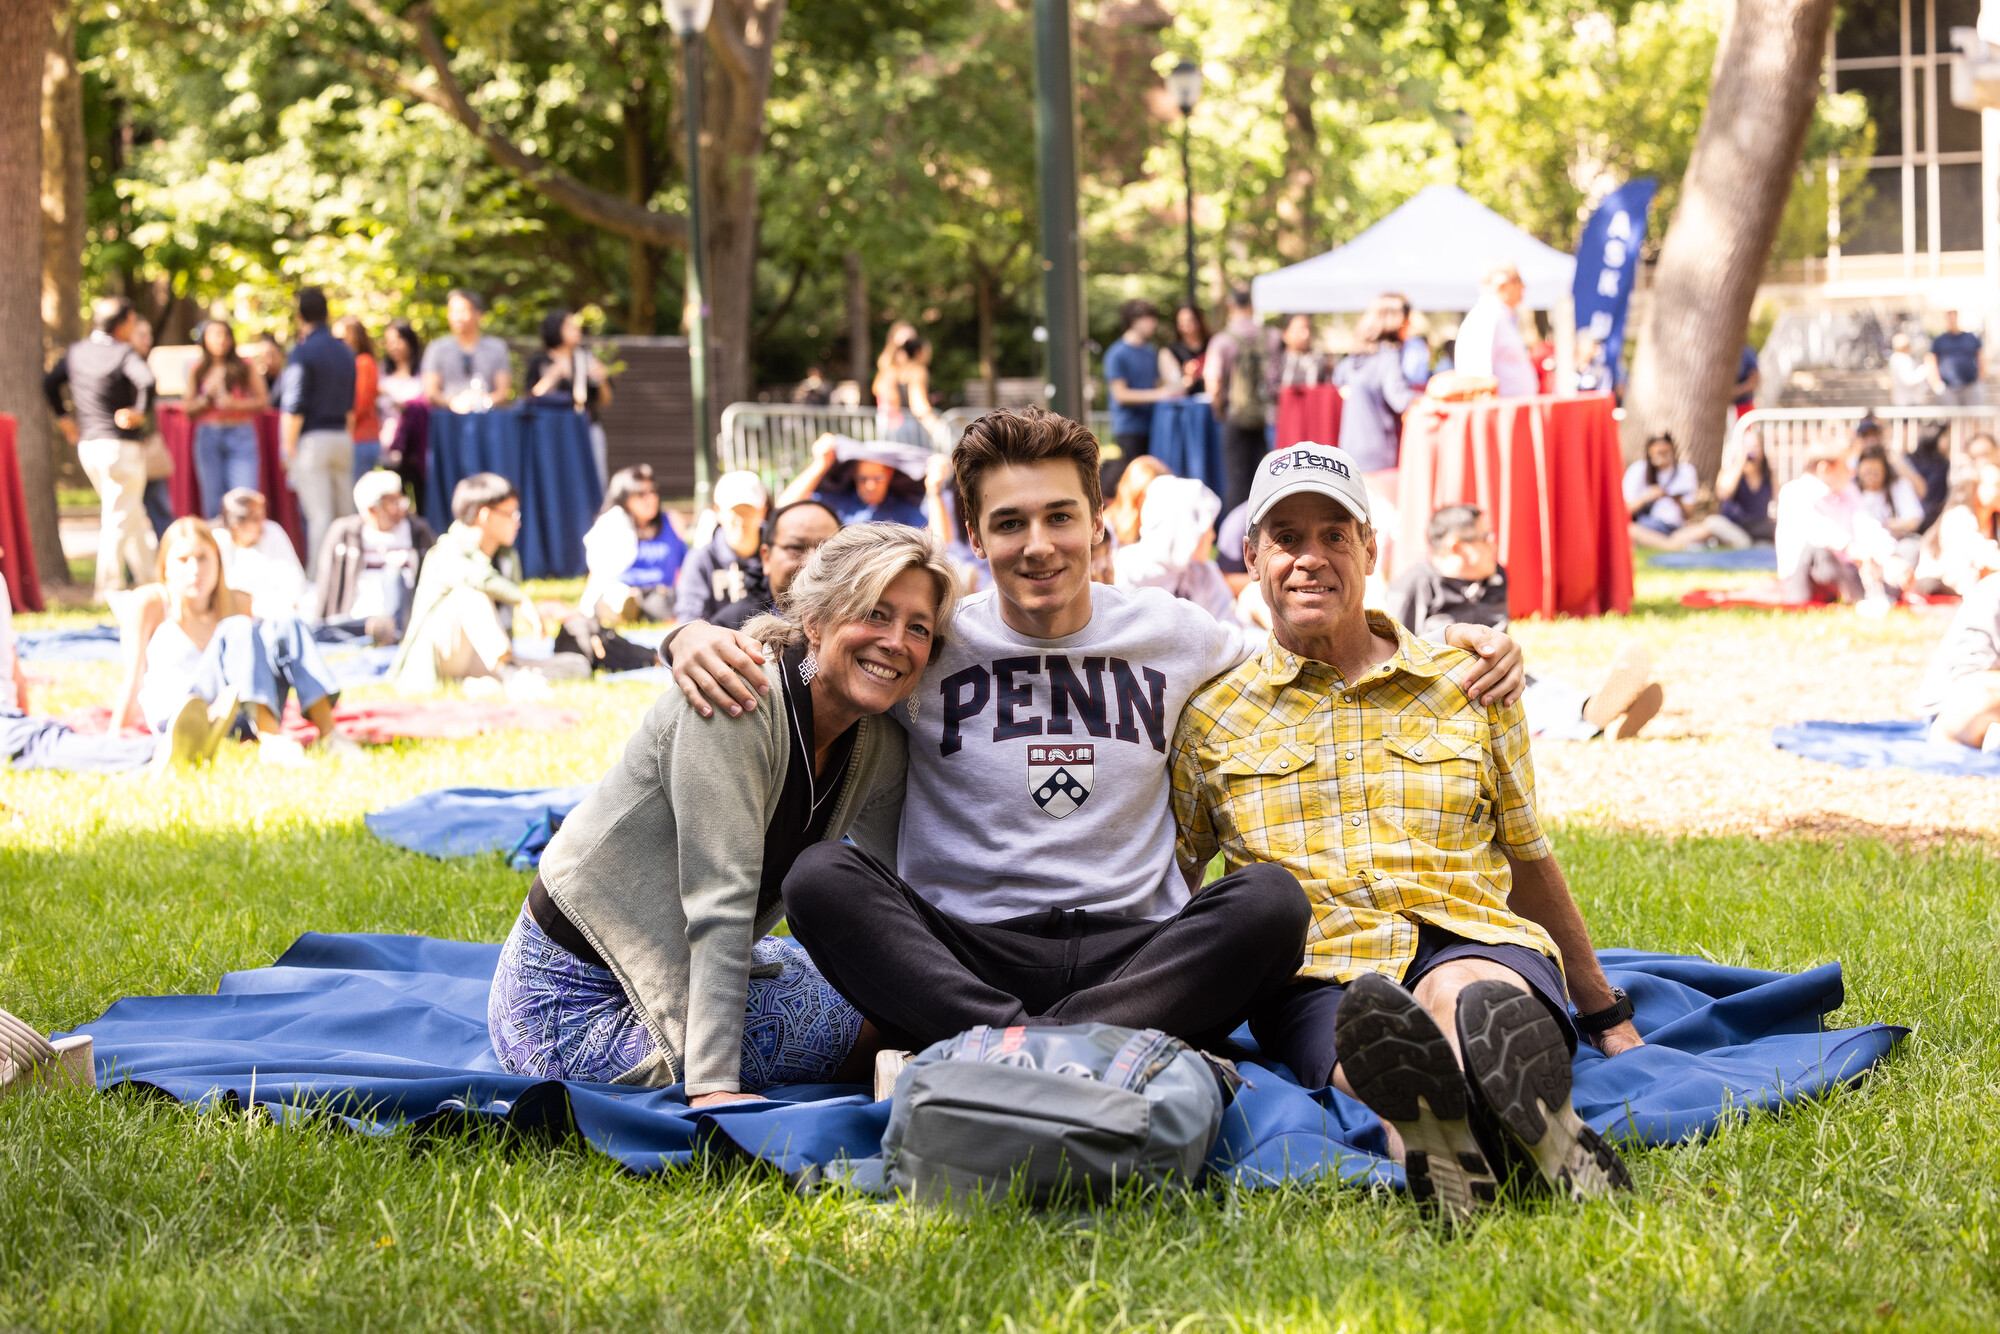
[1961, 548]
[1828, 550]
[1034, 880]
[726, 567]
[641, 955]
[28, 742]
[191, 637]
[258, 558]
[633, 553]
[1176, 547]
[1463, 581]
[369, 567]
[791, 535]
[1445, 946]
[469, 599]
[1960, 693]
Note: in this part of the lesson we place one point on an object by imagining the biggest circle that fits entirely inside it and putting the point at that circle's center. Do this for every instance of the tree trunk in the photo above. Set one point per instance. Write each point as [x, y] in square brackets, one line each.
[642, 177]
[982, 281]
[860, 351]
[1760, 103]
[25, 27]
[63, 178]
[1298, 206]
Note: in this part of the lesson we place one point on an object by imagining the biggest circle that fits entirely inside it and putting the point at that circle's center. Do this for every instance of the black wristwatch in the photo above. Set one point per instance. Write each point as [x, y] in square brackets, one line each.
[1603, 1021]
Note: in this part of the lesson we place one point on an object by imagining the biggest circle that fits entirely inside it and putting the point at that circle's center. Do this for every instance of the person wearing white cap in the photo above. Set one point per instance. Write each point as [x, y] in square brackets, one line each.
[369, 566]
[1349, 752]
[726, 568]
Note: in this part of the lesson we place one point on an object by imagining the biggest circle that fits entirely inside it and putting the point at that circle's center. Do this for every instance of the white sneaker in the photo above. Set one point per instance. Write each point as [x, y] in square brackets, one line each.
[339, 746]
[526, 685]
[221, 718]
[280, 750]
[565, 667]
[1872, 608]
[889, 1065]
[482, 687]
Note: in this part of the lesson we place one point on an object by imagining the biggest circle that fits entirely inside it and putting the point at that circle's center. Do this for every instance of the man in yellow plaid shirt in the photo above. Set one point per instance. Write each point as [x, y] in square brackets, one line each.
[1433, 986]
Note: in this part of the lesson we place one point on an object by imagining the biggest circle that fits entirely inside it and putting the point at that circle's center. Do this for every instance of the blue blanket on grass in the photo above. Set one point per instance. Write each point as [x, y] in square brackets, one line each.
[384, 1031]
[1888, 745]
[1725, 558]
[83, 643]
[466, 821]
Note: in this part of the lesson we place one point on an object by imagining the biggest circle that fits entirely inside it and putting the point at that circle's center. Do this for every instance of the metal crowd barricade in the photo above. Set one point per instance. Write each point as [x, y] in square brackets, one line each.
[774, 440]
[1789, 434]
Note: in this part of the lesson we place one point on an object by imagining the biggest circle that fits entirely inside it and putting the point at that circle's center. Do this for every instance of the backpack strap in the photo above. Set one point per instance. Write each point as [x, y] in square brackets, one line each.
[1144, 1055]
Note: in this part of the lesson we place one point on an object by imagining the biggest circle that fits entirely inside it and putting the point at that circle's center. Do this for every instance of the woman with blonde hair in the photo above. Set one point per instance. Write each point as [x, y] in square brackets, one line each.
[190, 637]
[902, 389]
[642, 955]
[1121, 516]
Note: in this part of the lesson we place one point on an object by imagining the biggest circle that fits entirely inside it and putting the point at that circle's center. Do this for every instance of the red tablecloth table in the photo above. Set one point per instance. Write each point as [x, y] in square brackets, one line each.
[1547, 472]
[17, 545]
[1308, 412]
[281, 506]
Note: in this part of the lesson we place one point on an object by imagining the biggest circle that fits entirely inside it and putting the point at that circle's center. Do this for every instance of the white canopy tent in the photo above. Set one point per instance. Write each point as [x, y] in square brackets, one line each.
[1435, 249]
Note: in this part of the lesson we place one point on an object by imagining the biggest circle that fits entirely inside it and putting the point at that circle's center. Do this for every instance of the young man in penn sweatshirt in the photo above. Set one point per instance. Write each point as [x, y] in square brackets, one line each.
[1035, 879]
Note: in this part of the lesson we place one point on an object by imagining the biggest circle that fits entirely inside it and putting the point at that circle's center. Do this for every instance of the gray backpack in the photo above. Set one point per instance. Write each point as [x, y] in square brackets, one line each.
[1076, 1110]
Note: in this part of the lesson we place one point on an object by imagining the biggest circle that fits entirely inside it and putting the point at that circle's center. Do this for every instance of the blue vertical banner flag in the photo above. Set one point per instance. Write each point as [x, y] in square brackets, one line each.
[1607, 264]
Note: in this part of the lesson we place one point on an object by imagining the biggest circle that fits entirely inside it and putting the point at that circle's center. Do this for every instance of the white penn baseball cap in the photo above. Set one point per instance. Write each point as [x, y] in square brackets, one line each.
[1306, 466]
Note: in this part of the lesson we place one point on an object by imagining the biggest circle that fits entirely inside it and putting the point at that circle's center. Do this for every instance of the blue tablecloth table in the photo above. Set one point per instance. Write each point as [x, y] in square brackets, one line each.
[546, 455]
[1188, 439]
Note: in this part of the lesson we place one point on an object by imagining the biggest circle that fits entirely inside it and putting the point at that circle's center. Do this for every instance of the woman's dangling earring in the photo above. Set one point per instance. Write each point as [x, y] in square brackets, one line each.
[808, 666]
[912, 707]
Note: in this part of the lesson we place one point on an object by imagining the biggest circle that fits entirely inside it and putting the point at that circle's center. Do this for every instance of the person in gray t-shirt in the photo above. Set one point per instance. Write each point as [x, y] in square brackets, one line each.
[450, 365]
[1961, 689]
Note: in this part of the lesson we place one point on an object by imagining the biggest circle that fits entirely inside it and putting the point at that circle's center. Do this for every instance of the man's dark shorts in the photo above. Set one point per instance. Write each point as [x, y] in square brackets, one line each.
[1296, 1025]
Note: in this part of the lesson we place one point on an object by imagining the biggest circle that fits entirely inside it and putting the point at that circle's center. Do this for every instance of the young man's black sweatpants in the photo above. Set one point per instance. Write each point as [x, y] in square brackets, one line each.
[920, 975]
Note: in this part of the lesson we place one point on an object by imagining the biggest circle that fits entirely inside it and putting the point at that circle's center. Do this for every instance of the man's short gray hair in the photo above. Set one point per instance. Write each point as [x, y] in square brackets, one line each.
[847, 576]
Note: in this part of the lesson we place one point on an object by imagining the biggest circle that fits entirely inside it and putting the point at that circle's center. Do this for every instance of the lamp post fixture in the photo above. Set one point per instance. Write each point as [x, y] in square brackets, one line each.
[690, 19]
[1185, 85]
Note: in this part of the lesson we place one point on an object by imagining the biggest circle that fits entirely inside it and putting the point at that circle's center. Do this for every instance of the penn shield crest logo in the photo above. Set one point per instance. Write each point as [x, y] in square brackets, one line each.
[1059, 777]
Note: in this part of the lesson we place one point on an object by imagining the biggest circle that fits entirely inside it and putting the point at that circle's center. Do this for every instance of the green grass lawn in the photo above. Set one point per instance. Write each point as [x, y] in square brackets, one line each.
[1877, 1208]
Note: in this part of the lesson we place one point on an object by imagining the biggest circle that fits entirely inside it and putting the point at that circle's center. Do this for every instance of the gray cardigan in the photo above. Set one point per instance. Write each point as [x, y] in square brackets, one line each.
[659, 867]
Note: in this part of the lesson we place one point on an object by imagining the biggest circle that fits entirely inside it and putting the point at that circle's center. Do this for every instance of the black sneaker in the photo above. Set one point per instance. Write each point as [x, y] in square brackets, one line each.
[1398, 1062]
[1519, 1068]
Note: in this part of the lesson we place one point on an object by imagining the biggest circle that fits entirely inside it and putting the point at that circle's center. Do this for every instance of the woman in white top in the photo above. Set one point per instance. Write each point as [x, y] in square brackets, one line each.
[1884, 497]
[189, 635]
[1658, 489]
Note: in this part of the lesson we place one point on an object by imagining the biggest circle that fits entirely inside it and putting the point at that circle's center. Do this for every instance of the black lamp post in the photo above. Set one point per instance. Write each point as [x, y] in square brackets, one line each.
[1185, 84]
[690, 19]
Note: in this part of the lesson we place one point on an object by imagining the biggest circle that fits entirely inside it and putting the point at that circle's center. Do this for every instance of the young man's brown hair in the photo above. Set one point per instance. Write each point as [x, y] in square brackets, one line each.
[1017, 436]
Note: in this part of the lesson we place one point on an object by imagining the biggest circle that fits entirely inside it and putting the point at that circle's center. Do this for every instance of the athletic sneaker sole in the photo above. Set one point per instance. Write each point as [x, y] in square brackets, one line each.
[1519, 1066]
[1399, 1063]
[181, 746]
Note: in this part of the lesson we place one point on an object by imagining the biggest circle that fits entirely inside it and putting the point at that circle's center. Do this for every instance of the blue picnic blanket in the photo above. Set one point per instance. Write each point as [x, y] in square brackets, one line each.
[82, 643]
[382, 1031]
[466, 821]
[1724, 558]
[1895, 744]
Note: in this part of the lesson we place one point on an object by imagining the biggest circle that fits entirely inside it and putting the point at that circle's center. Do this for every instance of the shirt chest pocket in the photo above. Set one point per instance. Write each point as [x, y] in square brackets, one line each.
[1273, 796]
[1430, 783]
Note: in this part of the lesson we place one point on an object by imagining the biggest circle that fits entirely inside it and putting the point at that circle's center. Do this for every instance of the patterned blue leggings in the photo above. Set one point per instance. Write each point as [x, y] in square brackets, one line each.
[553, 1016]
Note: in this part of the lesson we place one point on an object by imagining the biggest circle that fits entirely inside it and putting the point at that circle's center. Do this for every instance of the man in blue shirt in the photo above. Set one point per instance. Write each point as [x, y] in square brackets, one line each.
[1132, 381]
[1748, 378]
[1957, 364]
[315, 394]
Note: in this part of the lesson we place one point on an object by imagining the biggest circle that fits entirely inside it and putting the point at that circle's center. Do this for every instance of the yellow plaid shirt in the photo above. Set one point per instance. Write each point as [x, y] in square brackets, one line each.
[1391, 799]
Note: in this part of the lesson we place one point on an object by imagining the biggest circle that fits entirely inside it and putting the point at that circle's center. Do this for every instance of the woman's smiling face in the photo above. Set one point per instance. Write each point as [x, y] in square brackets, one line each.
[872, 664]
